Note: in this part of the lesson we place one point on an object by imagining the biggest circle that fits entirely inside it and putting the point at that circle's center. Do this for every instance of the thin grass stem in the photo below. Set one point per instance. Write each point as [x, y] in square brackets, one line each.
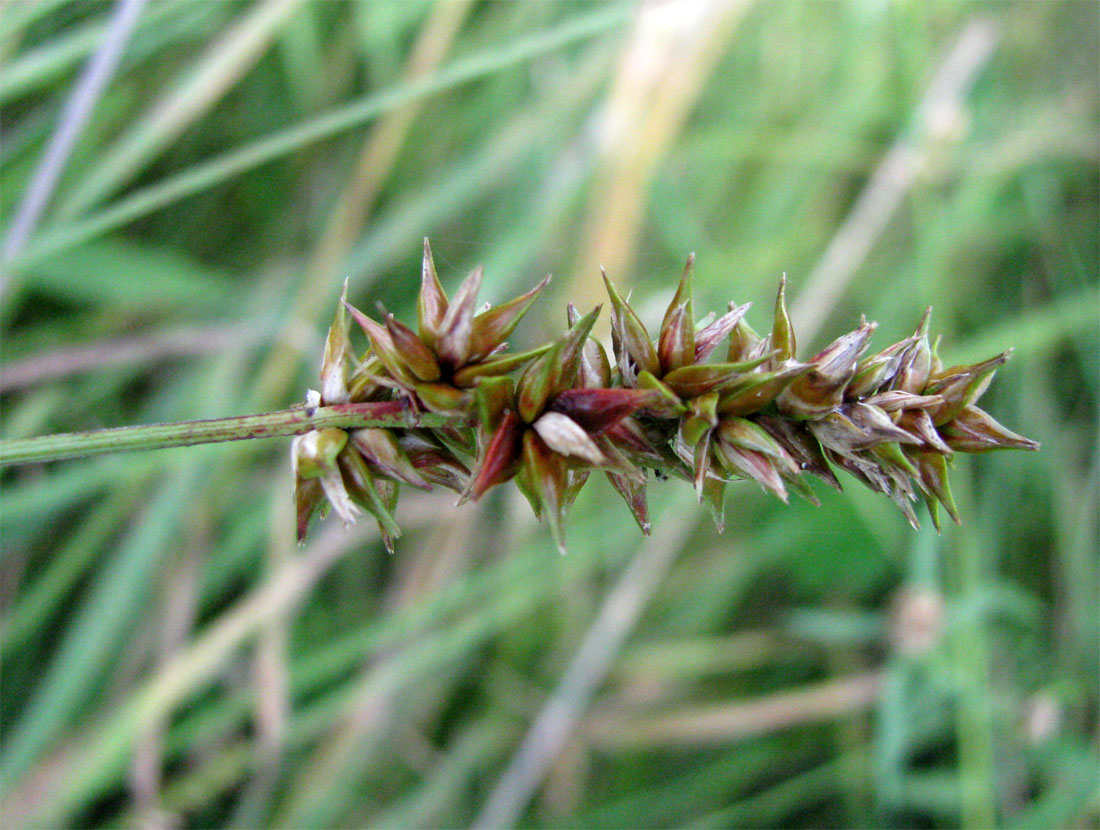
[388, 414]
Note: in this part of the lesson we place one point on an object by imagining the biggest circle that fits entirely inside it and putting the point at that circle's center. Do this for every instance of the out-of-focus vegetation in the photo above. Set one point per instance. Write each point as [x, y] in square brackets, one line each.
[169, 656]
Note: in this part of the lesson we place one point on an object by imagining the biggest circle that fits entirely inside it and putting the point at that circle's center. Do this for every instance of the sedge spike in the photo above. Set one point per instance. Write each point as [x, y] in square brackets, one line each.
[548, 417]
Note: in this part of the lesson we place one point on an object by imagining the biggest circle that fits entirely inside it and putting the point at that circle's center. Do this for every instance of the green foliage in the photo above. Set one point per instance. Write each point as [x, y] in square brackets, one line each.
[166, 648]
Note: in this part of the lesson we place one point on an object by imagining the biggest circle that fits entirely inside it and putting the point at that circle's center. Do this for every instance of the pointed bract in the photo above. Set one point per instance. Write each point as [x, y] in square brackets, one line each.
[456, 330]
[431, 303]
[897, 400]
[893, 460]
[368, 381]
[445, 399]
[866, 472]
[743, 433]
[743, 342]
[975, 430]
[918, 423]
[801, 446]
[381, 449]
[554, 371]
[714, 497]
[916, 362]
[618, 460]
[308, 495]
[629, 436]
[495, 397]
[575, 479]
[383, 348]
[961, 386]
[665, 403]
[315, 452]
[634, 341]
[801, 487]
[469, 375]
[754, 391]
[338, 353]
[523, 484]
[316, 455]
[876, 424]
[708, 337]
[388, 492]
[932, 468]
[701, 418]
[491, 327]
[546, 475]
[701, 465]
[675, 340]
[634, 494]
[676, 343]
[751, 465]
[856, 427]
[689, 381]
[822, 388]
[783, 341]
[876, 371]
[501, 457]
[363, 488]
[434, 462]
[418, 357]
[594, 371]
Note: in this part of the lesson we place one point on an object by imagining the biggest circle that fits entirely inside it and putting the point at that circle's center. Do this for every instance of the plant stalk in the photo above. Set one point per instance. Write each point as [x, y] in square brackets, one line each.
[295, 421]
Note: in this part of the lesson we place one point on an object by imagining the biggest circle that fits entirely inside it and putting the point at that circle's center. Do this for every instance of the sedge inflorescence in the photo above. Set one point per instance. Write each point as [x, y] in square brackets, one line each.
[548, 417]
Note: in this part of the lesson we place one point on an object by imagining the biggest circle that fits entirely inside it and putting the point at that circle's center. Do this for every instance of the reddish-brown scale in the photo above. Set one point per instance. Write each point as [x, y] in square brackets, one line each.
[597, 409]
[501, 457]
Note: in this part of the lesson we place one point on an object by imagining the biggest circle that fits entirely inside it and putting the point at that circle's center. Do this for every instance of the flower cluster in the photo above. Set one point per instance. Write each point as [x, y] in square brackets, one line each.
[549, 417]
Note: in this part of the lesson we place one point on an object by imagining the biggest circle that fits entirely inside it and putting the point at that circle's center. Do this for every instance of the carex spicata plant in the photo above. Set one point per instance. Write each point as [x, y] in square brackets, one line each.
[547, 418]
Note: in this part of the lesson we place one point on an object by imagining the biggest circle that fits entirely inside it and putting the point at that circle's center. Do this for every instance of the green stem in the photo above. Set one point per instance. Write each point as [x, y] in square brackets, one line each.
[185, 433]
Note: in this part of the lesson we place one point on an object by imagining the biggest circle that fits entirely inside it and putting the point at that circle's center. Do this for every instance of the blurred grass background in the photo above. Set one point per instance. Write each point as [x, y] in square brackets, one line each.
[171, 659]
